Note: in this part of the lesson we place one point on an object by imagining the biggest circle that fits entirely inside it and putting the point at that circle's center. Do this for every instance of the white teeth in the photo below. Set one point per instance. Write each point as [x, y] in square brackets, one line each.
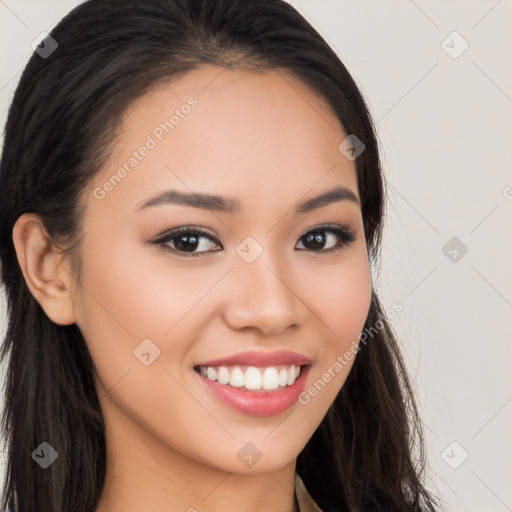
[270, 379]
[223, 375]
[291, 376]
[254, 378]
[237, 378]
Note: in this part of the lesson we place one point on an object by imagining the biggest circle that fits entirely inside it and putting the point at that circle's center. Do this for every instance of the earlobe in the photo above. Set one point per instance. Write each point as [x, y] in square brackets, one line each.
[44, 270]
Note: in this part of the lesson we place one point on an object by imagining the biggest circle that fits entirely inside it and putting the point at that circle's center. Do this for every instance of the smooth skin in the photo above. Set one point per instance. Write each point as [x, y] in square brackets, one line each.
[268, 141]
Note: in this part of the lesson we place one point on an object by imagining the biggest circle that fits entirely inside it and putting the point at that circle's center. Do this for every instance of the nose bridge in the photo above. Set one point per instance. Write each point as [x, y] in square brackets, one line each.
[262, 296]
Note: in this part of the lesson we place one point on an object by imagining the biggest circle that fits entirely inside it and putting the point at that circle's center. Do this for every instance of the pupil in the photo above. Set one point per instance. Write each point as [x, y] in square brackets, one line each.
[187, 245]
[317, 239]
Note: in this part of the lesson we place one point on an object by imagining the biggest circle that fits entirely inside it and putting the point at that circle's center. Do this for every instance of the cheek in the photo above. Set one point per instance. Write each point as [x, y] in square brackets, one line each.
[341, 297]
[136, 294]
[126, 300]
[341, 300]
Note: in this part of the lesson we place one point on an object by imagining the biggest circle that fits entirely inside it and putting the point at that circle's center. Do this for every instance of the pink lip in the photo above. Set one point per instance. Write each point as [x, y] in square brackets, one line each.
[254, 358]
[260, 402]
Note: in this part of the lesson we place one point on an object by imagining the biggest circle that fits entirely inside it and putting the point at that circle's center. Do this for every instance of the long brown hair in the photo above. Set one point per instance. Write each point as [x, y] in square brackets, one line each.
[367, 454]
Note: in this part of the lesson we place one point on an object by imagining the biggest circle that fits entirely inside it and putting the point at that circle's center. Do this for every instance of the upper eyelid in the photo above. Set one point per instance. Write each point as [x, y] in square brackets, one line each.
[185, 229]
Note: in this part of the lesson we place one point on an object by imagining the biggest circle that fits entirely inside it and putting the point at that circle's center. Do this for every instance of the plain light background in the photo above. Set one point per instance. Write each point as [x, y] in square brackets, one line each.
[443, 115]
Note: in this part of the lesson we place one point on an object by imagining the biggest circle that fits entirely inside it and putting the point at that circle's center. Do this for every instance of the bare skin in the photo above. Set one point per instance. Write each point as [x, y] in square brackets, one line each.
[269, 142]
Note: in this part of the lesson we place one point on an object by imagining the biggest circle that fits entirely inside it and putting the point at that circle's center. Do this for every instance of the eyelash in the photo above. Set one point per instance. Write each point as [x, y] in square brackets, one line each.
[344, 234]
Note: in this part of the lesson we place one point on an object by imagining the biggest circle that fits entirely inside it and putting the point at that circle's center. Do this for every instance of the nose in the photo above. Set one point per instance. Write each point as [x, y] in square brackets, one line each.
[262, 298]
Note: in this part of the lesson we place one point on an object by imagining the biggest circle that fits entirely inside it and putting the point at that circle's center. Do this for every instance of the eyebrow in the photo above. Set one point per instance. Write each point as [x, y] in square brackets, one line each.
[226, 205]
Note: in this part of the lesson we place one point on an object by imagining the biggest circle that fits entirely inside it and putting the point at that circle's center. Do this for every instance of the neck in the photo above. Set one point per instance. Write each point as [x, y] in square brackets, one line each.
[144, 474]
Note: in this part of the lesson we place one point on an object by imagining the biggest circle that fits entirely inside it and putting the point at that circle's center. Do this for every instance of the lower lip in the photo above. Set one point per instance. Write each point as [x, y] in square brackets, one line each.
[257, 403]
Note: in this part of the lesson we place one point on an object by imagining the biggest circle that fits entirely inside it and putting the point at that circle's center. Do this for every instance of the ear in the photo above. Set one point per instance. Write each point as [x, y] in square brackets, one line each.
[44, 269]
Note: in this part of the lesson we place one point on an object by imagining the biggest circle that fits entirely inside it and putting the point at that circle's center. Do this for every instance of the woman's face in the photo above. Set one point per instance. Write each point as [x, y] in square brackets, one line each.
[152, 309]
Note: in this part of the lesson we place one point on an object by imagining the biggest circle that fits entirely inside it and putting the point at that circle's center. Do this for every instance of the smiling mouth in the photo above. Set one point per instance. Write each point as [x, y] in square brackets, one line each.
[252, 378]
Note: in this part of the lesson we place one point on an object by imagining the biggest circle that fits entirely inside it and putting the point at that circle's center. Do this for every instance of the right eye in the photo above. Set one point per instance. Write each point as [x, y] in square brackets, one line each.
[188, 242]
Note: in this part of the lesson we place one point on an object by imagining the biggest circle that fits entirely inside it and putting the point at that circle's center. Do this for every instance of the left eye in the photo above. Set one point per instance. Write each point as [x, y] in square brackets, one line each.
[196, 241]
[316, 237]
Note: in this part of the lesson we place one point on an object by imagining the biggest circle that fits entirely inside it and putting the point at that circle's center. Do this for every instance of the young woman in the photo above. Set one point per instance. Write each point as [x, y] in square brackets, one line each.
[191, 210]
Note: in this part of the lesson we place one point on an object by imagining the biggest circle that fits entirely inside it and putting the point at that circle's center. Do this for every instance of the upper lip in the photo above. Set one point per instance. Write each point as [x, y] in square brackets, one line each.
[255, 358]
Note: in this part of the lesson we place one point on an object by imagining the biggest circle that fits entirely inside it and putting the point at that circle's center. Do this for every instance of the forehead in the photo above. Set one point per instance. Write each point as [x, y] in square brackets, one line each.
[225, 132]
